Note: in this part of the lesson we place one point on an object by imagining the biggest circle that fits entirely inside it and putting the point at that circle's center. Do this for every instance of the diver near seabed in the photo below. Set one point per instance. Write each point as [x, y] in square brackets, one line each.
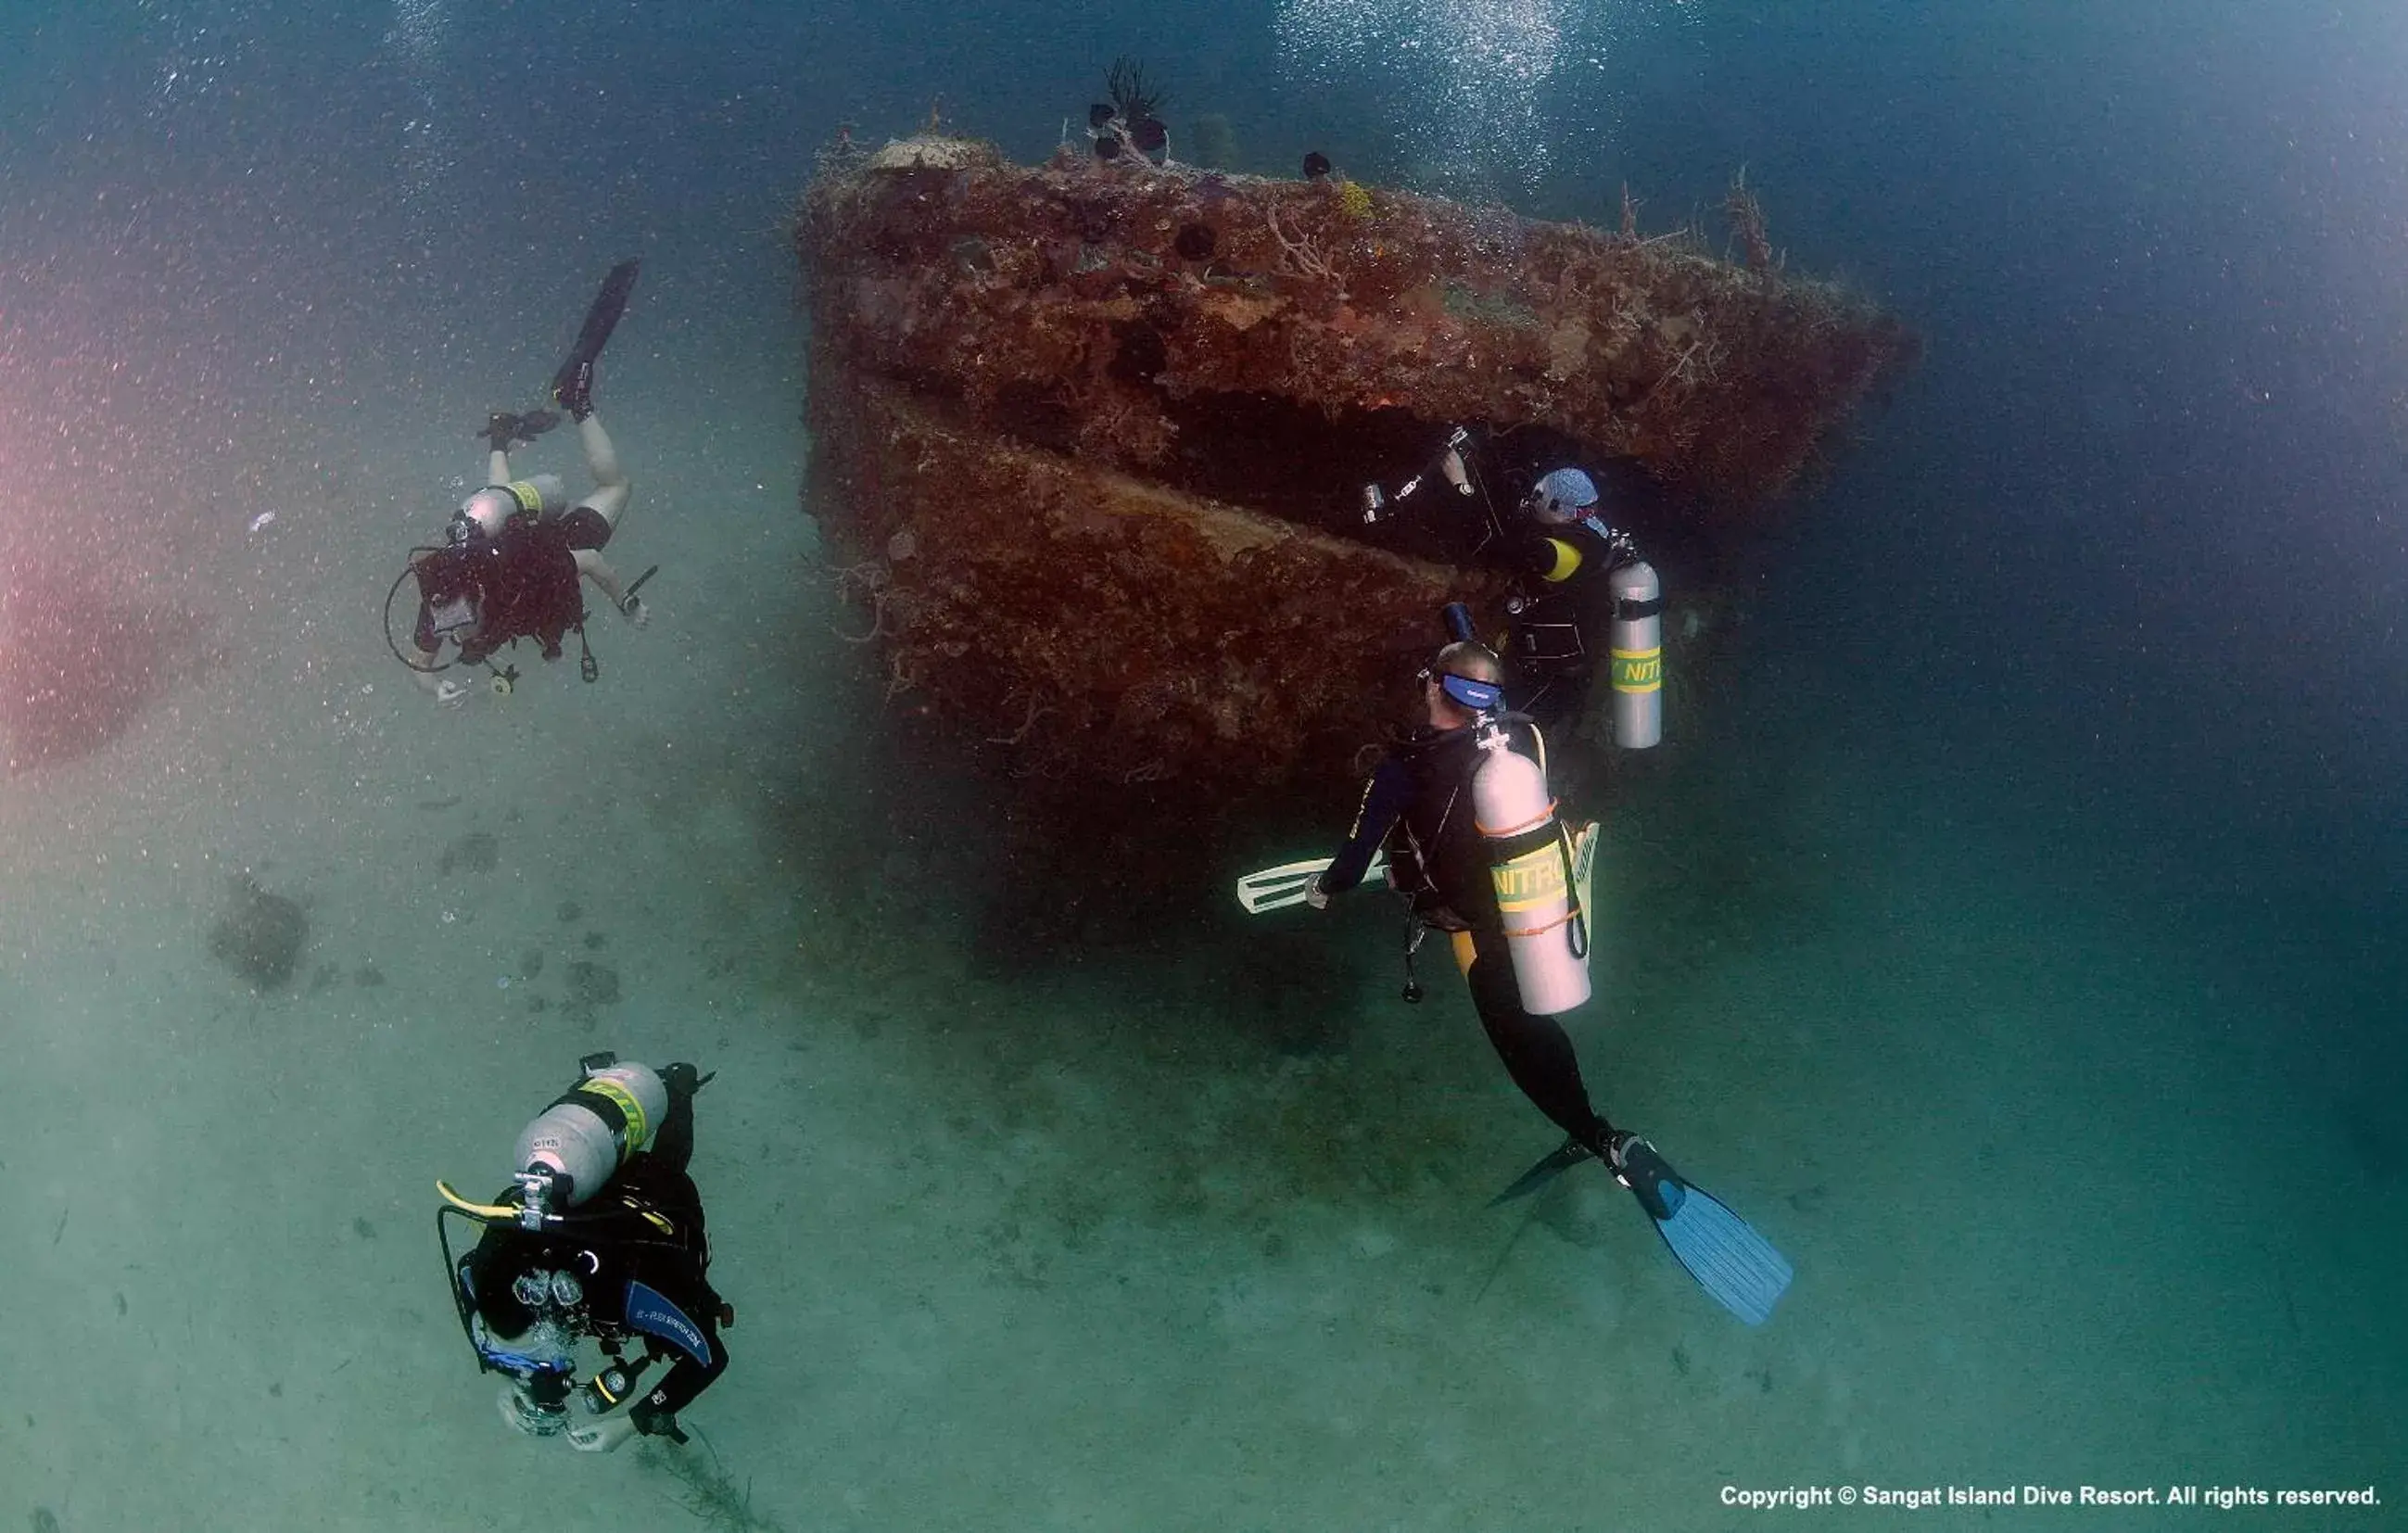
[600, 1237]
[516, 550]
[1474, 842]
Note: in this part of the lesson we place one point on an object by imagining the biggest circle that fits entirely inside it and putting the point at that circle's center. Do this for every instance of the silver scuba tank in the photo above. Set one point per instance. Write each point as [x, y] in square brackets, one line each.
[580, 1140]
[1638, 655]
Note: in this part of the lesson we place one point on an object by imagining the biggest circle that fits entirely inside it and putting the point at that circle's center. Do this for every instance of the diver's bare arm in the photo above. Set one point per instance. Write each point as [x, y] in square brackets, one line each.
[422, 670]
[595, 568]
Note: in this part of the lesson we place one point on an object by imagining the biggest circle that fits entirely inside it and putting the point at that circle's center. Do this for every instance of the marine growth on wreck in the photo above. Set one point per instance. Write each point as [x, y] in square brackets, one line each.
[1093, 433]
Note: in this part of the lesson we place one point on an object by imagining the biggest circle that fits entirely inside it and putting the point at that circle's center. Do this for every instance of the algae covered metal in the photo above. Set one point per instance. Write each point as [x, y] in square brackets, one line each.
[1093, 433]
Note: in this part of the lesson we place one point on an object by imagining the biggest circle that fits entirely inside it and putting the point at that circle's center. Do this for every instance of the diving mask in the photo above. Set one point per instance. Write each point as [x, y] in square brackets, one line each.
[1467, 691]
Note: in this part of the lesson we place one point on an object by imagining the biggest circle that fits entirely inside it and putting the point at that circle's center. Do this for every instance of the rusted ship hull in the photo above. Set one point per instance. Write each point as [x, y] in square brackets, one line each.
[1092, 436]
[1098, 626]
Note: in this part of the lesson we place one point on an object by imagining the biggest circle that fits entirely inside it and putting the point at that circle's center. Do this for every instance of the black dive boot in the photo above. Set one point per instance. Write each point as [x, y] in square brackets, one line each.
[1601, 1144]
[572, 387]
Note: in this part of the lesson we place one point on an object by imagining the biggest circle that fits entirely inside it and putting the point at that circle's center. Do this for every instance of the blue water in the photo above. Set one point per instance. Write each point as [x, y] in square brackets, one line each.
[2015, 936]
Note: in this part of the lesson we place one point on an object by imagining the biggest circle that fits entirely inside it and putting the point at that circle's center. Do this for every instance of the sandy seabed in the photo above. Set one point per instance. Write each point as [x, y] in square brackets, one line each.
[1181, 1234]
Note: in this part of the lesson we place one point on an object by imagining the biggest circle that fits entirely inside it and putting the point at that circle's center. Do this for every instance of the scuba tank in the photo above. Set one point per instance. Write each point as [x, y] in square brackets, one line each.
[488, 510]
[1637, 656]
[582, 1139]
[1531, 863]
[540, 494]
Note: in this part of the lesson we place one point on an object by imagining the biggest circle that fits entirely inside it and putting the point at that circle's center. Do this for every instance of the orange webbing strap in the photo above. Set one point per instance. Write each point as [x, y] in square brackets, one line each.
[1526, 827]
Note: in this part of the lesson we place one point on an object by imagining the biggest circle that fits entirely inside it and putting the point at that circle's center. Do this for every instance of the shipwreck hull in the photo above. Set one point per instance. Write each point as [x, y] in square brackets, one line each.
[1091, 437]
[1097, 626]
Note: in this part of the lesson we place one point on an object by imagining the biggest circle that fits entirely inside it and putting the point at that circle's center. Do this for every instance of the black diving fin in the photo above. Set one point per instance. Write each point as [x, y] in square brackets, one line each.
[572, 386]
[1554, 1164]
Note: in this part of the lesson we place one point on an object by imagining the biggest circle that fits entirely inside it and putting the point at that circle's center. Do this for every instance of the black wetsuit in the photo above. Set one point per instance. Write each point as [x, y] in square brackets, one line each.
[522, 584]
[1556, 639]
[1419, 801]
[638, 1250]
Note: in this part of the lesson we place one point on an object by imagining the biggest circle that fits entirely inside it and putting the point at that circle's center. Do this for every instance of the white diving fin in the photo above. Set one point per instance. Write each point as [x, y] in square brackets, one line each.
[1277, 888]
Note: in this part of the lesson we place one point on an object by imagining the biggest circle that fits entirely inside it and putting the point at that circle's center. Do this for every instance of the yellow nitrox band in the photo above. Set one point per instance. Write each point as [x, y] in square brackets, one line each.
[530, 498]
[1638, 670]
[639, 1130]
[1530, 881]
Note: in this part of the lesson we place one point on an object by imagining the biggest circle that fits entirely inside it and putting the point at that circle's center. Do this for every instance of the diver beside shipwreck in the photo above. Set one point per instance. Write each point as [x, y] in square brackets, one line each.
[1097, 433]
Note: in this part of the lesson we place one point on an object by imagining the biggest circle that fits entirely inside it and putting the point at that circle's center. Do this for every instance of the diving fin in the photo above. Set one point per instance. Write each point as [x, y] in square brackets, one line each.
[1554, 1164]
[572, 386]
[1736, 1266]
[1277, 888]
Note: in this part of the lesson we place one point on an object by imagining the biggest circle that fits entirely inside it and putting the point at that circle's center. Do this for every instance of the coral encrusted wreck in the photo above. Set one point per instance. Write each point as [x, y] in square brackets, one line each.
[1092, 434]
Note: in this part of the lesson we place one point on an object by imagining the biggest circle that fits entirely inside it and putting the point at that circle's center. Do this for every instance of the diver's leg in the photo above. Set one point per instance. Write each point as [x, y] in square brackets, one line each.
[1537, 1052]
[497, 467]
[609, 497]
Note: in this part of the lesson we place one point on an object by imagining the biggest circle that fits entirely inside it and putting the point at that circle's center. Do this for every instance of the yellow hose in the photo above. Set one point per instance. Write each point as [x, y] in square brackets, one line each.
[479, 1211]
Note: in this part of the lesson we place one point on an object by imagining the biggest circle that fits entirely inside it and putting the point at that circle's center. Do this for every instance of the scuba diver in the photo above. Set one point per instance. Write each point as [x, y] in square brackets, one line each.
[1581, 590]
[600, 1237]
[515, 550]
[1572, 575]
[1418, 803]
[1462, 806]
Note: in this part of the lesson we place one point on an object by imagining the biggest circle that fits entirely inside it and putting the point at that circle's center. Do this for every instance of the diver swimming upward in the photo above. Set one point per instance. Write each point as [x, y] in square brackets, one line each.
[516, 550]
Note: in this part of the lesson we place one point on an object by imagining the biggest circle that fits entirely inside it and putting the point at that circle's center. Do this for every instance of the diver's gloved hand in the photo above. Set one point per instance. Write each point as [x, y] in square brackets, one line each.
[653, 1423]
[601, 1437]
[452, 692]
[1315, 895]
[635, 611]
[501, 430]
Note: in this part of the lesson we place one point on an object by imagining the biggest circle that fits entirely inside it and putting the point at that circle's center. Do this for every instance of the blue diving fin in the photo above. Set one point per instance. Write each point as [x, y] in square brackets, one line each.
[1732, 1262]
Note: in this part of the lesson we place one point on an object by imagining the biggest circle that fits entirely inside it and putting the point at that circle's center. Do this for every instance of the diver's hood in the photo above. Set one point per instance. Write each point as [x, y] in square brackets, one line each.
[488, 511]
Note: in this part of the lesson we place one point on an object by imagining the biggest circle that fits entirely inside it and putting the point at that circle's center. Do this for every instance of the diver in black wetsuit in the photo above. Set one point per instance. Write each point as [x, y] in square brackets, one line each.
[1563, 556]
[1419, 802]
[1555, 543]
[629, 1261]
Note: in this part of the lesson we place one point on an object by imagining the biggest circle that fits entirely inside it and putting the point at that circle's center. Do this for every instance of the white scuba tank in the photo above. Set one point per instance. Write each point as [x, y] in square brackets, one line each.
[494, 507]
[1531, 865]
[1638, 655]
[585, 1136]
